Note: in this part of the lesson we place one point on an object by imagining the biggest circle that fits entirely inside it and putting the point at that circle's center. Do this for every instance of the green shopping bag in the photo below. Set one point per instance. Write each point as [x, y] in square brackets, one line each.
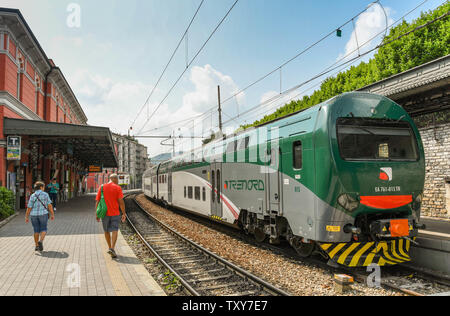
[102, 208]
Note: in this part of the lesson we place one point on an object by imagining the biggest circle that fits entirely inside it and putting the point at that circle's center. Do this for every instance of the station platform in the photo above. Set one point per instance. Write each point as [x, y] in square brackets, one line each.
[74, 261]
[437, 228]
[433, 249]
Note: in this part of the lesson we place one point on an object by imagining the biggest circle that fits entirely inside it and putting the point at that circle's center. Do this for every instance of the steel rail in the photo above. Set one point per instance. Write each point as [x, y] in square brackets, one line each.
[183, 282]
[243, 273]
[358, 276]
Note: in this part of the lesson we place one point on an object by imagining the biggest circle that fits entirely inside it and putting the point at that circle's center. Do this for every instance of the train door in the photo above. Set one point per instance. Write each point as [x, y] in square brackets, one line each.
[169, 184]
[273, 180]
[216, 184]
[157, 181]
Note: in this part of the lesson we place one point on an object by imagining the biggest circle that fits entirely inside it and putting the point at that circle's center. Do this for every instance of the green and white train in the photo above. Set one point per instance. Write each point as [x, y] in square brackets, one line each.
[345, 178]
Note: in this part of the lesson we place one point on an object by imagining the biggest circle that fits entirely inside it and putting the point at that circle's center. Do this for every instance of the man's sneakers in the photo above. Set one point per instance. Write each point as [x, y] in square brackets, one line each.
[39, 247]
[112, 253]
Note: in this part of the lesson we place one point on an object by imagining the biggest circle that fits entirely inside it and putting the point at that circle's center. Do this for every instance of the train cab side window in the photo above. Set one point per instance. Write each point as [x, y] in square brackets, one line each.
[298, 155]
[190, 193]
[204, 194]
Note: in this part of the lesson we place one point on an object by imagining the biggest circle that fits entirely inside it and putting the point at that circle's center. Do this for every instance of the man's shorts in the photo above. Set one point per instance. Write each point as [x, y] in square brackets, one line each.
[111, 223]
[39, 223]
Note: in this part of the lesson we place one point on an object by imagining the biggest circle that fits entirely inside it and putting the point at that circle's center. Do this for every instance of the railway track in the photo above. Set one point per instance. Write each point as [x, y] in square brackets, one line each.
[400, 278]
[200, 272]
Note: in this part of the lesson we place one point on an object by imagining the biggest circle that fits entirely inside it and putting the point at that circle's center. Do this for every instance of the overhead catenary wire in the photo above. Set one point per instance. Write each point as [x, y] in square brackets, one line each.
[177, 123]
[289, 60]
[285, 63]
[279, 68]
[170, 61]
[331, 68]
[320, 74]
[190, 63]
[265, 112]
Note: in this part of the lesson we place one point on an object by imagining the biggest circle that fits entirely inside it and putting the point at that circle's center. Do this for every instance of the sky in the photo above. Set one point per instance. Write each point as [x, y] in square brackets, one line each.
[113, 52]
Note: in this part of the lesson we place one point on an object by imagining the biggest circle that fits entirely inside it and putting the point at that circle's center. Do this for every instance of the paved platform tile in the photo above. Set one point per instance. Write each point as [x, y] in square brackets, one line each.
[75, 260]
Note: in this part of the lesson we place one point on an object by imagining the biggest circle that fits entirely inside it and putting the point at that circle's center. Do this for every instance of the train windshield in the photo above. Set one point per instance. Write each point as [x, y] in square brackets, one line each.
[379, 140]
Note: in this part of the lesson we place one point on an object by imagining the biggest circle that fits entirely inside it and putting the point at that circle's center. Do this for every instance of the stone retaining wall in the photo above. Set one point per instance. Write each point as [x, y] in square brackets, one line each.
[436, 201]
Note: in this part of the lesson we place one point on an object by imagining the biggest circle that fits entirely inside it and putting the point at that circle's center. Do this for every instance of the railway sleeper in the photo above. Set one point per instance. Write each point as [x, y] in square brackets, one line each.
[220, 277]
[170, 253]
[204, 272]
[164, 243]
[161, 249]
[218, 286]
[248, 293]
[184, 257]
[188, 261]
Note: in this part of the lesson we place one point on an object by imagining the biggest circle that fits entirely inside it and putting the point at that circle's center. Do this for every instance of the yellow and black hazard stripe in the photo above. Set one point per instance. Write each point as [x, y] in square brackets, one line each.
[217, 218]
[363, 254]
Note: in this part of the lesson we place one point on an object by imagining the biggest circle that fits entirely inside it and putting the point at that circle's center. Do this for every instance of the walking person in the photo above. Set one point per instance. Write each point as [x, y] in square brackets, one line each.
[53, 189]
[113, 196]
[38, 210]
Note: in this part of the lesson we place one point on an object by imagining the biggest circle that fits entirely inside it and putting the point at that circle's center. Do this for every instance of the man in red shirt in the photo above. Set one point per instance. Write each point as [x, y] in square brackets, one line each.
[113, 196]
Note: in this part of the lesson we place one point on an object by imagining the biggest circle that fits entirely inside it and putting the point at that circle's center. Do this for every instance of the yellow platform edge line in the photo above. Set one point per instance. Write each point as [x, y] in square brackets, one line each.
[119, 284]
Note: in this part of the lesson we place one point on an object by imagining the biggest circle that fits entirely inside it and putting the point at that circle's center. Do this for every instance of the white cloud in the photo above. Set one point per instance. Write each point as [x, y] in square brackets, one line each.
[107, 102]
[268, 95]
[206, 79]
[367, 26]
[115, 104]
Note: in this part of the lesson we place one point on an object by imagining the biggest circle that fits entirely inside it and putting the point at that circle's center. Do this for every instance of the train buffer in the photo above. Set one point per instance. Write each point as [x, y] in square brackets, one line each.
[74, 261]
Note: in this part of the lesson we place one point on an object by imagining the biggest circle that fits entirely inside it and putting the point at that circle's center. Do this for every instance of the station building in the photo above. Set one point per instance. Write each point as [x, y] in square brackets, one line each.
[38, 106]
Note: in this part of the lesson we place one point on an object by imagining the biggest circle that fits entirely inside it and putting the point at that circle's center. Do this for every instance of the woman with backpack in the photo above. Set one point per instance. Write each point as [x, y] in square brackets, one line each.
[39, 210]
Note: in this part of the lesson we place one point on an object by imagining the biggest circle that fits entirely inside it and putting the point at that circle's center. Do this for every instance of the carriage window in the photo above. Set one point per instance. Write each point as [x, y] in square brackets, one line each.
[190, 192]
[204, 194]
[197, 193]
[231, 147]
[365, 139]
[185, 192]
[244, 143]
[298, 155]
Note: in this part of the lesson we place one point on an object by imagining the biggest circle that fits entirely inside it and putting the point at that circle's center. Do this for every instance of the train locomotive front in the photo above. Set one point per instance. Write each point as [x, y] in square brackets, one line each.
[376, 180]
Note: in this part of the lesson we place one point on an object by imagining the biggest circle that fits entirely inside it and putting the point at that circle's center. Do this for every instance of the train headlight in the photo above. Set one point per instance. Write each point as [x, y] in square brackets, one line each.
[419, 198]
[348, 202]
[418, 203]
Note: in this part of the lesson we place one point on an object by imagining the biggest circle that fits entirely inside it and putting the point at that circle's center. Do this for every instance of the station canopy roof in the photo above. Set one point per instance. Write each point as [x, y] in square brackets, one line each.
[89, 144]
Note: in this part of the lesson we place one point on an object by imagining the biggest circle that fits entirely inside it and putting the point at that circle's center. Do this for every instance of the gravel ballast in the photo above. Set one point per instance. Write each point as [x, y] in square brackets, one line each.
[295, 277]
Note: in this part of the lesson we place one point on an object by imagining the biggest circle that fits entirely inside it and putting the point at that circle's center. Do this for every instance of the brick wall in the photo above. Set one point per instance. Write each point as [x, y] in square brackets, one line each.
[9, 75]
[29, 78]
[437, 152]
[27, 92]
